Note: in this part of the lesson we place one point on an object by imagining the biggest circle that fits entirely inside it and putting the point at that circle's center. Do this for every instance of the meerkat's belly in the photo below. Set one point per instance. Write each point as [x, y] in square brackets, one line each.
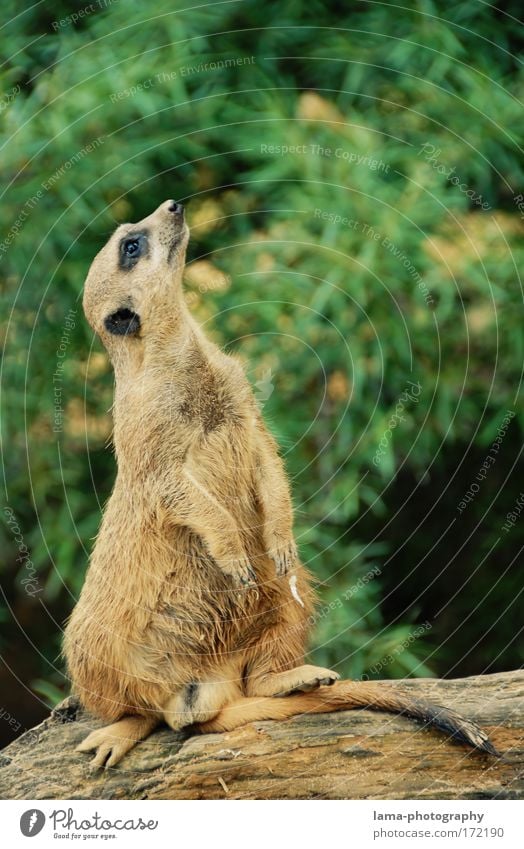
[154, 614]
[202, 613]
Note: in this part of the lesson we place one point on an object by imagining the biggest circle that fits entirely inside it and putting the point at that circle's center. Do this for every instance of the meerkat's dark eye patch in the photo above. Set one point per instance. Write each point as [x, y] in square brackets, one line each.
[131, 248]
[123, 322]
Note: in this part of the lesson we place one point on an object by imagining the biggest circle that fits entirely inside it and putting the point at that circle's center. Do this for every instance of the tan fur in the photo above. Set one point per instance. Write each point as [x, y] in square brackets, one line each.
[187, 614]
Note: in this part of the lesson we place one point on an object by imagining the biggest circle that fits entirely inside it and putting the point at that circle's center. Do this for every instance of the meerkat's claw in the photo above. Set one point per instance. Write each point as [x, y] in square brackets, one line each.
[251, 576]
[326, 681]
[284, 558]
[247, 580]
[103, 750]
[241, 571]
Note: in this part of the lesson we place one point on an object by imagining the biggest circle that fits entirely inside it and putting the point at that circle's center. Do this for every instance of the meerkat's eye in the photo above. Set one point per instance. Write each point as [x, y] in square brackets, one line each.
[131, 247]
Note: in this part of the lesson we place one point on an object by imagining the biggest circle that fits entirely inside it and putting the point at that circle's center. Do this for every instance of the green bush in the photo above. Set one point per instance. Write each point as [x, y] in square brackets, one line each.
[375, 264]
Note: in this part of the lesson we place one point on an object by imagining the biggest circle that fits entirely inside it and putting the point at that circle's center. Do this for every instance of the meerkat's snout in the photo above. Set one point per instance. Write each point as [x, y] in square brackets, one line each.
[171, 211]
[168, 222]
[176, 212]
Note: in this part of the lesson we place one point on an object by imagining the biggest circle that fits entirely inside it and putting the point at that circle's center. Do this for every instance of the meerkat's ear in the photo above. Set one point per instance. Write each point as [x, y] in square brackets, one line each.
[123, 322]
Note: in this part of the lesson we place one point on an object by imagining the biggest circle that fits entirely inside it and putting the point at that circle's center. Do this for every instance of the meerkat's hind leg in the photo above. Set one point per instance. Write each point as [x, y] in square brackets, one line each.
[114, 741]
[301, 679]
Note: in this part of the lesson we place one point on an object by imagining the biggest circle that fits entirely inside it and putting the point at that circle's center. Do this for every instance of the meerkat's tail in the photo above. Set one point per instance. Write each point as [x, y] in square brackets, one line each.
[345, 695]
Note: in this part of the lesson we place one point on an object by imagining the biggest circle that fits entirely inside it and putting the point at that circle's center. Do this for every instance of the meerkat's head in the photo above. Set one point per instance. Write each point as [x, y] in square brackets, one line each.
[133, 288]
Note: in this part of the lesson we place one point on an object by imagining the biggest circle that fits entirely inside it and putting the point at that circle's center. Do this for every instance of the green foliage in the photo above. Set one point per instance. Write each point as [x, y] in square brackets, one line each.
[290, 267]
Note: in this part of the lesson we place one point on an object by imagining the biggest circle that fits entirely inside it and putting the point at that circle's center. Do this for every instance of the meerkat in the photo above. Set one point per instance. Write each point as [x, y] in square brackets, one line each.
[195, 609]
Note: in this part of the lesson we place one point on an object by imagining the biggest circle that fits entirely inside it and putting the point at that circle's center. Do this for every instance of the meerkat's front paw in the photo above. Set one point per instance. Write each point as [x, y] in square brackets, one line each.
[239, 569]
[283, 555]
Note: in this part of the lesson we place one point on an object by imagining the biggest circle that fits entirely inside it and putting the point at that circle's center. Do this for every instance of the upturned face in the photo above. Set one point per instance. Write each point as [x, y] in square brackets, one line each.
[134, 283]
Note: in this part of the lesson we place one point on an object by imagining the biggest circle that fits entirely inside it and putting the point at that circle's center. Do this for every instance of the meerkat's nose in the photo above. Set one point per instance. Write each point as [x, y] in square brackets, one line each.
[174, 207]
